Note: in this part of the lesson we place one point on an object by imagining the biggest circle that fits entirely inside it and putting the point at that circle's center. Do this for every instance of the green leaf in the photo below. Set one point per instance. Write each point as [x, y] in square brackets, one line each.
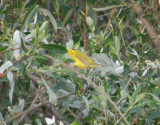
[135, 32]
[135, 93]
[54, 48]
[117, 44]
[104, 8]
[1, 119]
[23, 6]
[17, 108]
[51, 94]
[156, 98]
[159, 84]
[92, 14]
[2, 48]
[29, 16]
[5, 66]
[44, 26]
[38, 121]
[24, 72]
[126, 70]
[140, 97]
[75, 123]
[52, 19]
[154, 116]
[68, 15]
[12, 82]
[148, 121]
[89, 21]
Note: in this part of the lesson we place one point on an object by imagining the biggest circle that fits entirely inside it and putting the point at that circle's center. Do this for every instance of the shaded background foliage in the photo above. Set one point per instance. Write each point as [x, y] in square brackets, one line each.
[115, 33]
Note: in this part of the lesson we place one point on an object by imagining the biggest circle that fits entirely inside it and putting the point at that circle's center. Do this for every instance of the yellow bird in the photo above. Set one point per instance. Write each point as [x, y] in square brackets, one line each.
[81, 60]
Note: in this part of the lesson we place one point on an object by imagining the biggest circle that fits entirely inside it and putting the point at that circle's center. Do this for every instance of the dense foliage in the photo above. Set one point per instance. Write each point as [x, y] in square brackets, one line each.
[38, 82]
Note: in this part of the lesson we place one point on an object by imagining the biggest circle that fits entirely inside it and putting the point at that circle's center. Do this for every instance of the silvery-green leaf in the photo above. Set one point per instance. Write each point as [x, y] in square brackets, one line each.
[69, 100]
[86, 100]
[5, 66]
[68, 15]
[134, 52]
[17, 43]
[1, 119]
[123, 95]
[10, 110]
[61, 123]
[133, 74]
[86, 112]
[29, 16]
[45, 41]
[38, 121]
[50, 121]
[117, 44]
[35, 19]
[76, 104]
[155, 97]
[20, 106]
[152, 64]
[104, 8]
[89, 21]
[44, 26]
[61, 92]
[15, 122]
[11, 83]
[51, 94]
[17, 108]
[145, 72]
[107, 65]
[69, 44]
[103, 59]
[140, 97]
[52, 19]
[118, 70]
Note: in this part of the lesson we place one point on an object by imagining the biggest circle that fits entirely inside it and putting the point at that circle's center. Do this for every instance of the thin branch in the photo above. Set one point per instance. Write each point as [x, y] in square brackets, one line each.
[93, 84]
[24, 112]
[149, 27]
[109, 22]
[32, 104]
[74, 13]
[86, 42]
[33, 108]
[72, 114]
